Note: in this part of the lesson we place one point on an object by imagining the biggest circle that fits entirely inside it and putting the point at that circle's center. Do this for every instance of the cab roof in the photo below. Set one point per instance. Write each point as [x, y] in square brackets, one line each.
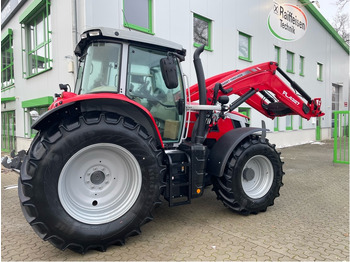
[129, 36]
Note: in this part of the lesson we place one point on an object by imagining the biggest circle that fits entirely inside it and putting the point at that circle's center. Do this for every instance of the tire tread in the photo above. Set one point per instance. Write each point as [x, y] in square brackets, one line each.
[223, 185]
[37, 151]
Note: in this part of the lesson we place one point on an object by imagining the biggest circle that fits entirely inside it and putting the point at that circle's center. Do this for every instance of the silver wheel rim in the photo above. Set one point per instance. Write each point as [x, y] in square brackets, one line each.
[257, 176]
[99, 183]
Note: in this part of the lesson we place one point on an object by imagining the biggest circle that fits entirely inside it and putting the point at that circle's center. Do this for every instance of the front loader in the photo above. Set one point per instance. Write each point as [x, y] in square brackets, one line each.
[131, 133]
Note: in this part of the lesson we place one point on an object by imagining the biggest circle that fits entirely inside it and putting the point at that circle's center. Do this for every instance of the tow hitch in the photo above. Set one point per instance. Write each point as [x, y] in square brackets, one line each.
[14, 161]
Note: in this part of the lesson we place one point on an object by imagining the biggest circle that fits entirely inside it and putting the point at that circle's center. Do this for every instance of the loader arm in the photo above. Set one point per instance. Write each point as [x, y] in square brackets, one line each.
[261, 88]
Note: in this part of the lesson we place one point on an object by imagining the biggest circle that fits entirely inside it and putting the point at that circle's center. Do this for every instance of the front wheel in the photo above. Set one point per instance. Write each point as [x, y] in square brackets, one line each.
[252, 177]
[90, 182]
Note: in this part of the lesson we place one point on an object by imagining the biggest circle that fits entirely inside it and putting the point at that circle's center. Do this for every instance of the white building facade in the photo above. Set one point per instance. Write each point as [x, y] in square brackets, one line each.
[38, 38]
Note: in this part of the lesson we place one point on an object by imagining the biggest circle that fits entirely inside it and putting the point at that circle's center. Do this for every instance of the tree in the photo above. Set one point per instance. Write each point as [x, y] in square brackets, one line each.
[341, 25]
[341, 3]
[341, 21]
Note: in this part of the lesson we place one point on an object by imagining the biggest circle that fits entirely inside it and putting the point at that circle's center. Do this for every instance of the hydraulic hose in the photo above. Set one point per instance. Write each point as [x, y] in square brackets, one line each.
[295, 86]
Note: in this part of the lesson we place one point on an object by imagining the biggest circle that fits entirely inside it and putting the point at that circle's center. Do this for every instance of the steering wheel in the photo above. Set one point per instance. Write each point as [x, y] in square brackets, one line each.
[159, 93]
[141, 91]
[156, 98]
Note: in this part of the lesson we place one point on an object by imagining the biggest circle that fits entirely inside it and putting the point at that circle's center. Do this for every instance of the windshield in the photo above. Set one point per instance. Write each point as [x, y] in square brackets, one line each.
[99, 69]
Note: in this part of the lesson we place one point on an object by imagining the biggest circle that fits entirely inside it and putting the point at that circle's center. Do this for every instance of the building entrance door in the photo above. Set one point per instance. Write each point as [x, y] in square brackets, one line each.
[8, 131]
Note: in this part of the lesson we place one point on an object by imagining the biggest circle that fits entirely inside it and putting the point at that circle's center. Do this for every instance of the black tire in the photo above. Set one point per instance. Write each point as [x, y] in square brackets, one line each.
[243, 188]
[52, 163]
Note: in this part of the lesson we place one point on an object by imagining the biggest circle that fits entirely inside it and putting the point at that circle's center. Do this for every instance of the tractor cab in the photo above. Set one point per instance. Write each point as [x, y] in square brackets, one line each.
[109, 64]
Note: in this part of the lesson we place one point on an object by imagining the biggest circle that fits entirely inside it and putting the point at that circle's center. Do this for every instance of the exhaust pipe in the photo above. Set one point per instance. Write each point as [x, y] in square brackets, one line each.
[200, 134]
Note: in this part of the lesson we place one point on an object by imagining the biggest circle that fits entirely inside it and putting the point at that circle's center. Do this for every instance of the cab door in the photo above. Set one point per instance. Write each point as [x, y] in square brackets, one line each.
[146, 86]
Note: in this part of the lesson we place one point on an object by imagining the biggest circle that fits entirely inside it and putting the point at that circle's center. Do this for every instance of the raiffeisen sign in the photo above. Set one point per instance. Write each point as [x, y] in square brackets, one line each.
[287, 22]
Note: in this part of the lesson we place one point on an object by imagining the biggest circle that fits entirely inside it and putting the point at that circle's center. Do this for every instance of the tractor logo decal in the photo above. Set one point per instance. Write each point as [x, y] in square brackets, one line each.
[290, 98]
[287, 22]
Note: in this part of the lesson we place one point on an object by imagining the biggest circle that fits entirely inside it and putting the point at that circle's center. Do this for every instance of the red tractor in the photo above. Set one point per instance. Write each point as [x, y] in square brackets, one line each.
[131, 132]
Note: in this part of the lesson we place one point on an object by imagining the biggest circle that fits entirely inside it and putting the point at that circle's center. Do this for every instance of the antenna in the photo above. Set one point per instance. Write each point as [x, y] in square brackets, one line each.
[125, 19]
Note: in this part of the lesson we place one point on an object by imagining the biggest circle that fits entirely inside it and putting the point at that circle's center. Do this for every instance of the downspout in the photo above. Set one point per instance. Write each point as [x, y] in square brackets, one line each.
[75, 34]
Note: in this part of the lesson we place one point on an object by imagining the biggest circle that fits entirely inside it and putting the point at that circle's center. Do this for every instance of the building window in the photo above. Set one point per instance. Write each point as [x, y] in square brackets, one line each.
[202, 31]
[277, 54]
[7, 73]
[244, 46]
[301, 66]
[289, 122]
[8, 131]
[40, 111]
[36, 38]
[290, 62]
[245, 111]
[336, 90]
[319, 71]
[335, 96]
[138, 15]
[40, 105]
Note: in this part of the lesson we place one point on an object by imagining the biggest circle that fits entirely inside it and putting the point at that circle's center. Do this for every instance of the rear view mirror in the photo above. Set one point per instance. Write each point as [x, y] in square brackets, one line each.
[169, 72]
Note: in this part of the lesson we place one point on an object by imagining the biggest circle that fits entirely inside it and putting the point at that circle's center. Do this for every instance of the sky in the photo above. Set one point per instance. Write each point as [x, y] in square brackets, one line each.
[328, 9]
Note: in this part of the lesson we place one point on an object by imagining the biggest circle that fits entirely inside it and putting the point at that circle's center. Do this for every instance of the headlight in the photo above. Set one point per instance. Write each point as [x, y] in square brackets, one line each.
[95, 33]
[84, 36]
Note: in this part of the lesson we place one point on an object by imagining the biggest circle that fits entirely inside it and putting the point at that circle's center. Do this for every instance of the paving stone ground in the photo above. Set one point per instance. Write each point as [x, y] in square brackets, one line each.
[309, 221]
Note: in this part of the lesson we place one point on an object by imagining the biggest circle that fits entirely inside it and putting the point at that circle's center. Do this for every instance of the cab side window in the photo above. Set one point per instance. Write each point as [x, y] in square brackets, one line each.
[146, 86]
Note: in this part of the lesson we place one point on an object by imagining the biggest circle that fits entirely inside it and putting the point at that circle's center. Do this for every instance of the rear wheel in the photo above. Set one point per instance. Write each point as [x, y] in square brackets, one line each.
[90, 182]
[252, 177]
[99, 194]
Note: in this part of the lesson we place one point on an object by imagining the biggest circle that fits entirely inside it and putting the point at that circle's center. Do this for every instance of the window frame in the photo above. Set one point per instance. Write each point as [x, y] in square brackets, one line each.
[278, 50]
[7, 38]
[292, 69]
[39, 9]
[301, 65]
[148, 30]
[207, 47]
[319, 71]
[249, 37]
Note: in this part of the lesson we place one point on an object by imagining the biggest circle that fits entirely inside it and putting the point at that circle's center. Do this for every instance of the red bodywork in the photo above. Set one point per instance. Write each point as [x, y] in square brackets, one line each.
[69, 97]
[260, 77]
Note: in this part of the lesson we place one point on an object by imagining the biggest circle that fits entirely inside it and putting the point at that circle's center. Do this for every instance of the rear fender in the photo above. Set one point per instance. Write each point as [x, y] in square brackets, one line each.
[133, 111]
[223, 148]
